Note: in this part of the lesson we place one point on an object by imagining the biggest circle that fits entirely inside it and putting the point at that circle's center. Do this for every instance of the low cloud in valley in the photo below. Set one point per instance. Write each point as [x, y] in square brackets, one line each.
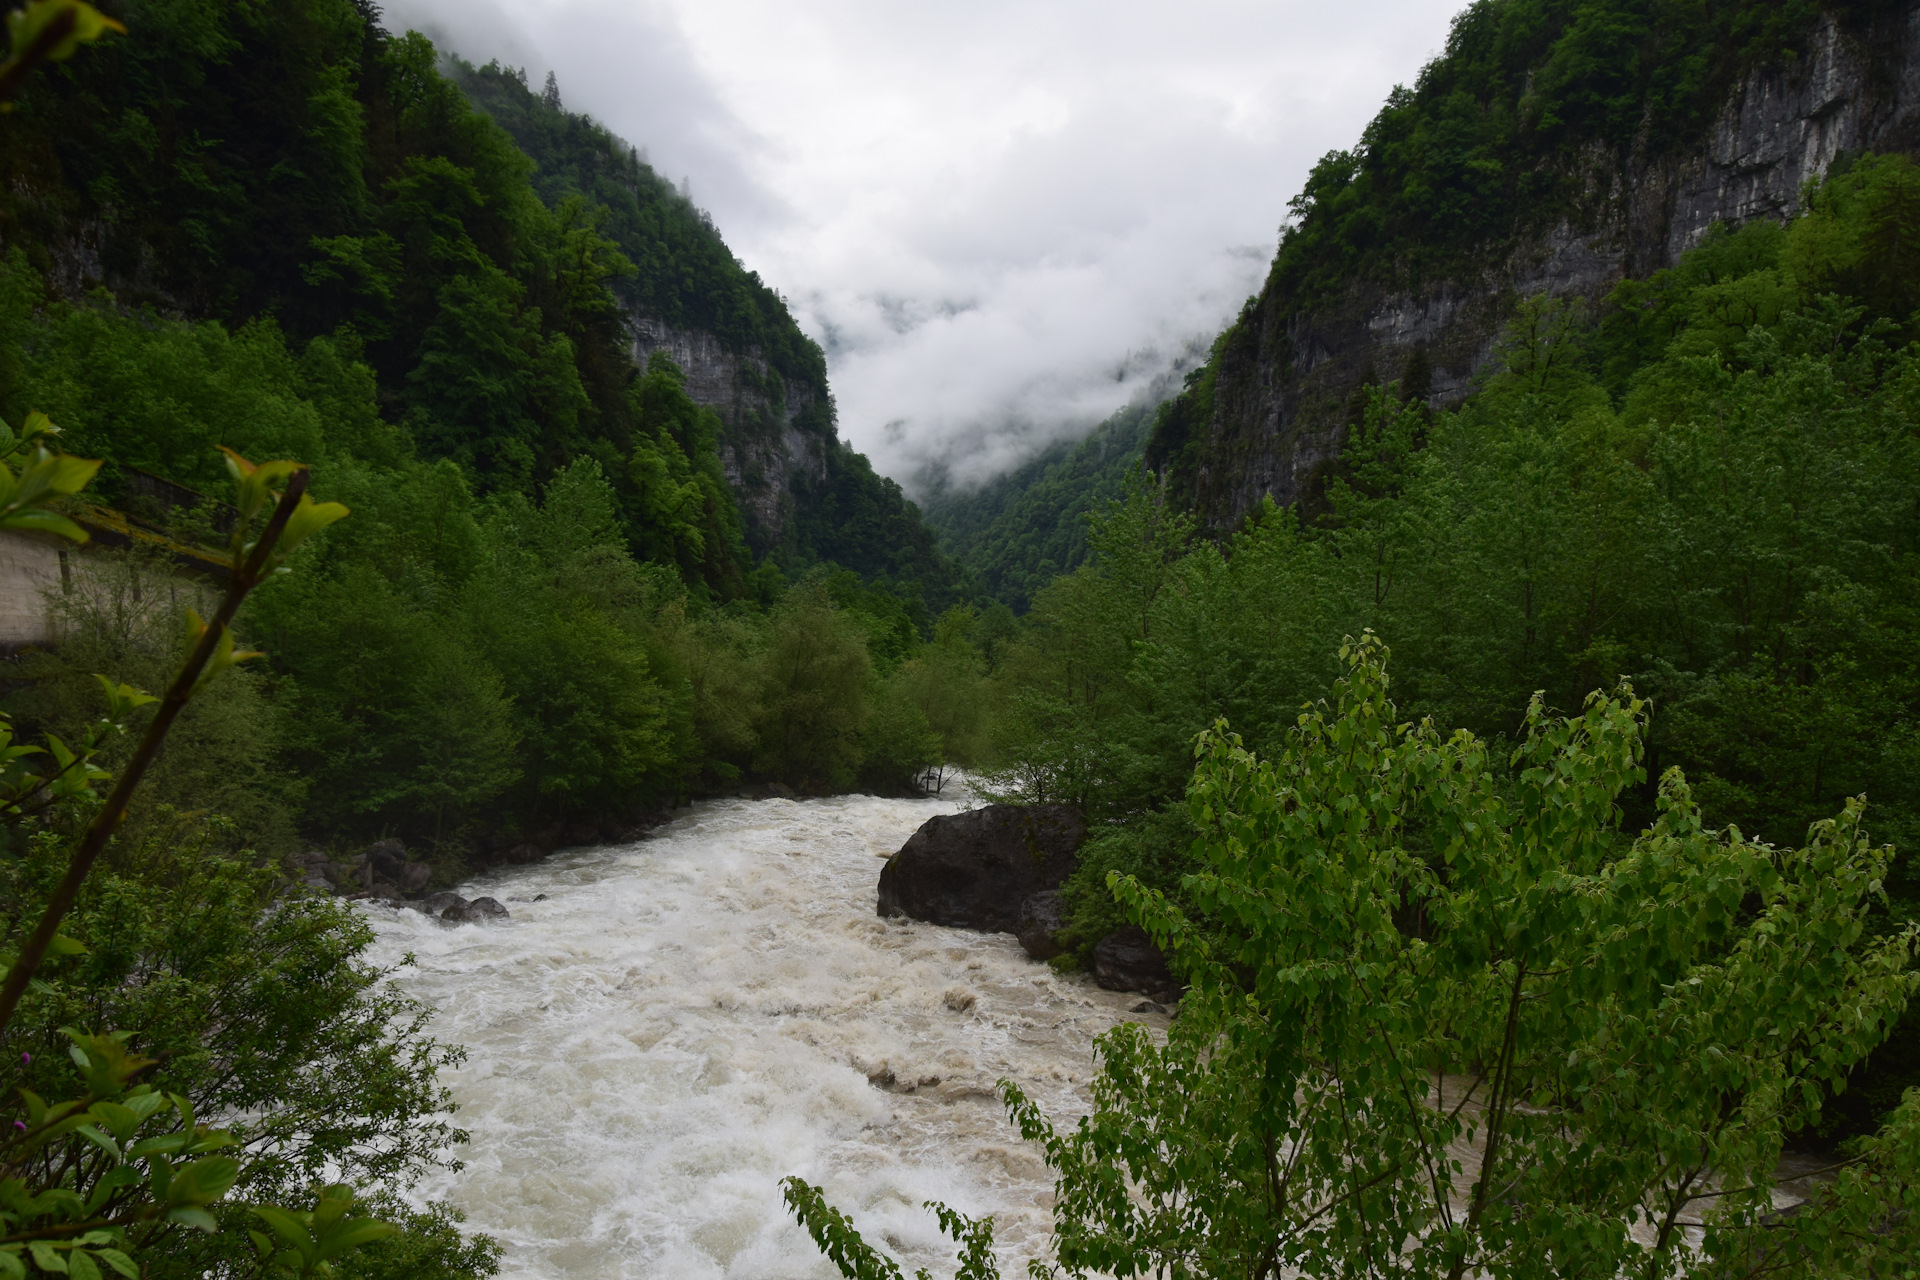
[1001, 220]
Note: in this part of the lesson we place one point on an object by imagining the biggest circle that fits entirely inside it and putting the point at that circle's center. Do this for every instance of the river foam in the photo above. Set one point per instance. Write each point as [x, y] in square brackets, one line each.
[684, 1021]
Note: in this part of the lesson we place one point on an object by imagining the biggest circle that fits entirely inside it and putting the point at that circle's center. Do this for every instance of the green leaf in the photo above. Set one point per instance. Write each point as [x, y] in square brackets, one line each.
[11, 1267]
[81, 1266]
[192, 1217]
[120, 1262]
[308, 518]
[203, 1181]
[122, 699]
[46, 1257]
[351, 1234]
[34, 520]
[99, 1139]
[286, 1226]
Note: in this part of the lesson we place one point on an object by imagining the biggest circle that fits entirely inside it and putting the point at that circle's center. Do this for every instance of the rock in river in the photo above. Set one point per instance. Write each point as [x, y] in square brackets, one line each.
[975, 869]
[479, 911]
[437, 904]
[1042, 916]
[1128, 961]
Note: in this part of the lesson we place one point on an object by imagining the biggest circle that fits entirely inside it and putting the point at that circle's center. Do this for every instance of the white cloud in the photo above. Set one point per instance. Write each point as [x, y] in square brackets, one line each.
[1000, 219]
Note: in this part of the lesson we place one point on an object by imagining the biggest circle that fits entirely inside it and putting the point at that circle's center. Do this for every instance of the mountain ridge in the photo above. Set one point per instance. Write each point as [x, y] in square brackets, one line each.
[1371, 286]
[737, 346]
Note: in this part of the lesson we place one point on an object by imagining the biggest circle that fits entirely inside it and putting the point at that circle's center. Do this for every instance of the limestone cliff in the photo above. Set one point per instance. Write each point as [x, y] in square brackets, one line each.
[1281, 389]
[775, 429]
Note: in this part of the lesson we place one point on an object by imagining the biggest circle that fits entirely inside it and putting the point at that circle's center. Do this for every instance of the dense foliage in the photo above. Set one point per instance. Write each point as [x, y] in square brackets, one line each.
[1736, 534]
[1019, 531]
[1508, 129]
[1446, 1019]
[271, 1024]
[259, 1013]
[686, 278]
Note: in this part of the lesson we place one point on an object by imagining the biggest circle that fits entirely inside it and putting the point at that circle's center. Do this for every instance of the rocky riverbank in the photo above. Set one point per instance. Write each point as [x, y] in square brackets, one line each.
[1000, 869]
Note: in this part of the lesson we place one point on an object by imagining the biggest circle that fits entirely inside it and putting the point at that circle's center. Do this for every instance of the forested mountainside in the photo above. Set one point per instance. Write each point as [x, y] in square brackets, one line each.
[1554, 147]
[300, 166]
[285, 230]
[804, 495]
[1019, 531]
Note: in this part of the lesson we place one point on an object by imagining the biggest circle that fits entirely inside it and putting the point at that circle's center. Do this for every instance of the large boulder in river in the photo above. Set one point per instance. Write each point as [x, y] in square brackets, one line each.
[1128, 961]
[479, 911]
[388, 858]
[973, 870]
[1042, 916]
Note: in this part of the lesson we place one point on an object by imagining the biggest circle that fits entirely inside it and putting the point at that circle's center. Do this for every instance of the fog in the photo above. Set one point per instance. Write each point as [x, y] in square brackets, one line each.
[1000, 220]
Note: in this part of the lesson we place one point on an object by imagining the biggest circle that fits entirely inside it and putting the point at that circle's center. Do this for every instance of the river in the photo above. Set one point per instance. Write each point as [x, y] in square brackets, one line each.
[665, 1029]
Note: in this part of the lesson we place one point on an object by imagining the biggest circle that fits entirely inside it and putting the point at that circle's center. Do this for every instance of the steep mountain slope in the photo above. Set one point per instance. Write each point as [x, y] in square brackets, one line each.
[805, 496]
[296, 170]
[1554, 147]
[1018, 531]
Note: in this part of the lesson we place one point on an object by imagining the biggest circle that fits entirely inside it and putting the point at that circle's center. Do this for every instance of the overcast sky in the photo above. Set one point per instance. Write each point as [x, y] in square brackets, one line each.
[1000, 219]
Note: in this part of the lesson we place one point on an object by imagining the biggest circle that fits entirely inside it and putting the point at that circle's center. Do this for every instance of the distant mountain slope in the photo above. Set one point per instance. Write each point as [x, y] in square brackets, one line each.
[1019, 530]
[805, 495]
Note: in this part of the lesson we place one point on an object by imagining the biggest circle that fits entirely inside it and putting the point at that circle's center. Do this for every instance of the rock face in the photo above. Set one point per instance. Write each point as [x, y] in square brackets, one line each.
[1286, 380]
[1128, 961]
[773, 427]
[974, 870]
[1042, 916]
[385, 866]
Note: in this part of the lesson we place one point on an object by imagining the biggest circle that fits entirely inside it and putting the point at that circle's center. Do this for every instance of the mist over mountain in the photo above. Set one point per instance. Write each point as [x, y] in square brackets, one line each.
[983, 214]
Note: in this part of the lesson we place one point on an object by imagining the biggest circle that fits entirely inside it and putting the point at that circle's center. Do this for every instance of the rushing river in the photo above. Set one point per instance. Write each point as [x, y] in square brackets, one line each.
[681, 1022]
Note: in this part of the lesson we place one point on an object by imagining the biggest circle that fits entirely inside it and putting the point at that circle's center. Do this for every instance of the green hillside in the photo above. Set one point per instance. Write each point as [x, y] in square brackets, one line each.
[1020, 530]
[281, 229]
[685, 277]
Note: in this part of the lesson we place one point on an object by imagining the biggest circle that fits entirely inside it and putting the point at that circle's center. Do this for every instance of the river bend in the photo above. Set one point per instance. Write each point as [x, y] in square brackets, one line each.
[683, 1021]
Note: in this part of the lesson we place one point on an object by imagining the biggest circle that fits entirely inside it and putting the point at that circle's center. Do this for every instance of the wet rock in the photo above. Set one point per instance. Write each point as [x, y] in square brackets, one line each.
[436, 903]
[973, 870]
[524, 853]
[1042, 915]
[1128, 961]
[882, 1077]
[314, 870]
[959, 999]
[776, 791]
[388, 860]
[1149, 1006]
[415, 877]
[479, 911]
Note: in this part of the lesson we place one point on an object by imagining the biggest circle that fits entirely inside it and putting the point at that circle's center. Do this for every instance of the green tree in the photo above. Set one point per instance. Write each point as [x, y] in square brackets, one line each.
[1445, 1021]
[813, 691]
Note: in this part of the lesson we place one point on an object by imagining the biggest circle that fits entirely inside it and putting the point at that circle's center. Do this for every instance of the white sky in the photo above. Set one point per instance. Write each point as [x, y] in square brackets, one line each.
[999, 219]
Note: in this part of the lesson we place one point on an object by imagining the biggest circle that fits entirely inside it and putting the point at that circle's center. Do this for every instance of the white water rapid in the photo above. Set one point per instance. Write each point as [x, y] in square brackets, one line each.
[684, 1021]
